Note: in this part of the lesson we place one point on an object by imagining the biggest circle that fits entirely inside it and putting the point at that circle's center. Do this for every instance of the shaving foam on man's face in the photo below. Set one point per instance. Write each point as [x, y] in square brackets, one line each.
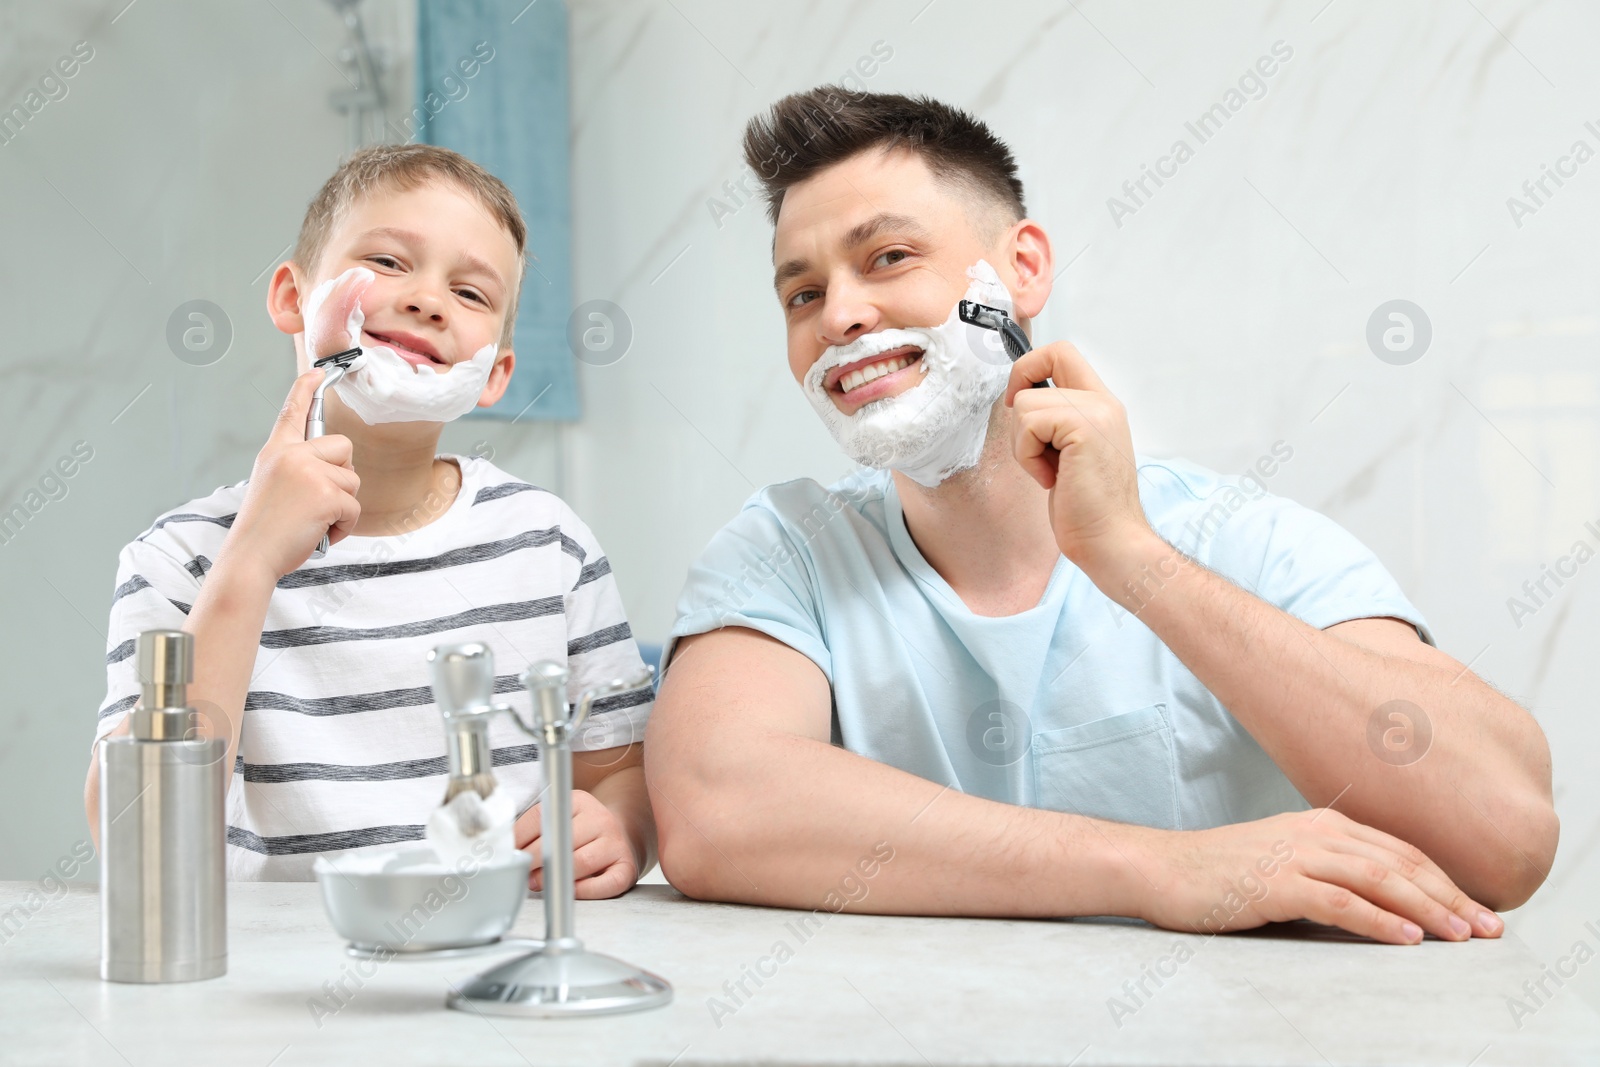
[399, 376]
[939, 426]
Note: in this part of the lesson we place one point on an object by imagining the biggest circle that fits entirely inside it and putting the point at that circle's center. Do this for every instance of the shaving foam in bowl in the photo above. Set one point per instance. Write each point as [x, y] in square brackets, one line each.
[408, 900]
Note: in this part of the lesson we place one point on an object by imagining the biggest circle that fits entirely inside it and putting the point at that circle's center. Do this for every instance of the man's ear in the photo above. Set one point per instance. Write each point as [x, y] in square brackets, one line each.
[505, 361]
[1028, 253]
[284, 298]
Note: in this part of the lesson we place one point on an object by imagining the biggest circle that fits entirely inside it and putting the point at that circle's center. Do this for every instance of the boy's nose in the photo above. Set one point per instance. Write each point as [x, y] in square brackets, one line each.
[426, 305]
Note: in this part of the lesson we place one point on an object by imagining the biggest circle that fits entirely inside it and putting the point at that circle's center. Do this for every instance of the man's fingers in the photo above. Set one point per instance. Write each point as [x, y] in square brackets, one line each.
[1452, 904]
[1374, 880]
[1031, 437]
[291, 424]
[1061, 363]
[1483, 921]
[1335, 905]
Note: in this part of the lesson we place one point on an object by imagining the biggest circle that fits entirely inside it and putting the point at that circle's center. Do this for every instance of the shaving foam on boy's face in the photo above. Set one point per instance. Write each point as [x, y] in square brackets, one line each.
[381, 385]
[938, 426]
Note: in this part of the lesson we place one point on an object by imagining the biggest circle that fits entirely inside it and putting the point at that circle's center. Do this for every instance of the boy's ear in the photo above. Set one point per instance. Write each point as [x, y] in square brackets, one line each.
[284, 299]
[505, 361]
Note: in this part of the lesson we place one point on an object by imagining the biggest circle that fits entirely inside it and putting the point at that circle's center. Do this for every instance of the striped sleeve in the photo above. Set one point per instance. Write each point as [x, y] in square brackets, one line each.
[154, 592]
[600, 644]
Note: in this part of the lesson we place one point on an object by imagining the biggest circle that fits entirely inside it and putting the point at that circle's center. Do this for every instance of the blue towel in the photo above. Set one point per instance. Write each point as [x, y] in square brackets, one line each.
[492, 85]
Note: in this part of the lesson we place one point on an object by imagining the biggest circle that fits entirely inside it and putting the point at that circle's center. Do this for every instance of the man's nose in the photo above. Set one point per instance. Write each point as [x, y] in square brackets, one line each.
[846, 314]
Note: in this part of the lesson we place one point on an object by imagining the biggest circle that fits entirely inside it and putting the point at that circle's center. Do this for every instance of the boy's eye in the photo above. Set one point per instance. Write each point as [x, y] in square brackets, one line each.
[472, 294]
[796, 301]
[385, 261]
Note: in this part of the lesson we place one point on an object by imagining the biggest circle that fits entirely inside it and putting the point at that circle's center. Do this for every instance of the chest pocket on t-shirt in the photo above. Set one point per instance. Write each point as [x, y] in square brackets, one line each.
[1122, 768]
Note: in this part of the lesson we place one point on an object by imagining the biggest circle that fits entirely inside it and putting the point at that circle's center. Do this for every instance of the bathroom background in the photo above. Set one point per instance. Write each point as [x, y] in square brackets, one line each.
[1395, 153]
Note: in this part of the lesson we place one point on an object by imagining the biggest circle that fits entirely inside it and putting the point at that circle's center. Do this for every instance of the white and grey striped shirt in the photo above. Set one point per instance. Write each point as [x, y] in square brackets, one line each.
[342, 745]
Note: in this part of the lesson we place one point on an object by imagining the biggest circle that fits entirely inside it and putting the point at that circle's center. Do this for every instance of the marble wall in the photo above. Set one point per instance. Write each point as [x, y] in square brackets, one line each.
[1384, 158]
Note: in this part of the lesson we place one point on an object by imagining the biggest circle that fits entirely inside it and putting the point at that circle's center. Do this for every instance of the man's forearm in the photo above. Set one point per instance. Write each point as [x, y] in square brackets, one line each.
[1307, 697]
[778, 819]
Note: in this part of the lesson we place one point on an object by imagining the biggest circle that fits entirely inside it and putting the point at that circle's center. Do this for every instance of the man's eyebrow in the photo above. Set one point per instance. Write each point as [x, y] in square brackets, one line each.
[866, 231]
[859, 234]
[410, 237]
[791, 269]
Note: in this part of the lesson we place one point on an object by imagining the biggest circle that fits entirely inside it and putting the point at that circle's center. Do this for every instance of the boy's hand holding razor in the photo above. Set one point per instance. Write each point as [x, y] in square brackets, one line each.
[299, 489]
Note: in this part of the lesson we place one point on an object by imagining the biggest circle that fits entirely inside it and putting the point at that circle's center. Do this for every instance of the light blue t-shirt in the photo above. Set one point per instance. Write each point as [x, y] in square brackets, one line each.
[1073, 705]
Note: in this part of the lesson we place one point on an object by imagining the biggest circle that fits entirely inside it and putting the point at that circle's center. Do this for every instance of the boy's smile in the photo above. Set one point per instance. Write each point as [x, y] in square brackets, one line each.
[446, 272]
[408, 346]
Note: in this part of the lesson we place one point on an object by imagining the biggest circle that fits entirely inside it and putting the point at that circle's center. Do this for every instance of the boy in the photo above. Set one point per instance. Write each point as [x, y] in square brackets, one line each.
[314, 669]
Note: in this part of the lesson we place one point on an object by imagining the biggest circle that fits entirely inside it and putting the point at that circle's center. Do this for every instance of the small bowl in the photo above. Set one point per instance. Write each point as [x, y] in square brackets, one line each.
[414, 903]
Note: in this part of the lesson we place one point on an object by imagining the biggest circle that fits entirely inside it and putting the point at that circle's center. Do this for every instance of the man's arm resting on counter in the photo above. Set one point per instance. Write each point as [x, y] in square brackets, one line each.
[1478, 802]
[754, 805]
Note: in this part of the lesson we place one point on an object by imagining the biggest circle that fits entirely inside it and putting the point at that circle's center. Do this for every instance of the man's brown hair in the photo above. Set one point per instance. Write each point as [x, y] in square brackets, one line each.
[386, 167]
[807, 132]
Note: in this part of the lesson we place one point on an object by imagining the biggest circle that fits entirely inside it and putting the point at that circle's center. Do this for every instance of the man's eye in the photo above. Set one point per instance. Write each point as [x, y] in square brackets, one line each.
[797, 301]
[897, 253]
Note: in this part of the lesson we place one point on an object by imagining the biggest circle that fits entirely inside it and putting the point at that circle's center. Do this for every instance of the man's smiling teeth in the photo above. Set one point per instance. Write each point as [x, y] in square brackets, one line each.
[873, 371]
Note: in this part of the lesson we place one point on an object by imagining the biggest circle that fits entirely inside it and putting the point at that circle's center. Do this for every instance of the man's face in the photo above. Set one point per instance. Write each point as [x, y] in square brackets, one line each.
[872, 243]
[446, 272]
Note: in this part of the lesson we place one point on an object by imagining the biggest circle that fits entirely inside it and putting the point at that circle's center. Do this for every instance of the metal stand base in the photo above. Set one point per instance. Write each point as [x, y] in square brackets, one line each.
[561, 981]
[383, 953]
[561, 978]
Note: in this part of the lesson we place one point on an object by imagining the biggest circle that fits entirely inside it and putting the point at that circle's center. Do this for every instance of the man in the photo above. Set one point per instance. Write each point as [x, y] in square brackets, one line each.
[992, 655]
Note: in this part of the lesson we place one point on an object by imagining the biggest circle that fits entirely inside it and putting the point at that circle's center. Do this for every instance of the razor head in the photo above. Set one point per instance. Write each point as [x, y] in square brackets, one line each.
[983, 315]
[341, 359]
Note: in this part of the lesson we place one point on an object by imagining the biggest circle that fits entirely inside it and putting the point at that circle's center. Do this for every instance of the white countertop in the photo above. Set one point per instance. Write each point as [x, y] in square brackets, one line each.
[861, 989]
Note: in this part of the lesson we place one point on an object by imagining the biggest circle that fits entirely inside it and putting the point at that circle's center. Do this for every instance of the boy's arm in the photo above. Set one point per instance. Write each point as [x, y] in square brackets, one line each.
[613, 831]
[298, 490]
[757, 807]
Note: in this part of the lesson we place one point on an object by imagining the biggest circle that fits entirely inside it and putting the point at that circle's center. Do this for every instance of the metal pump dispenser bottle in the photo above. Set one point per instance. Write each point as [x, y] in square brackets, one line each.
[163, 889]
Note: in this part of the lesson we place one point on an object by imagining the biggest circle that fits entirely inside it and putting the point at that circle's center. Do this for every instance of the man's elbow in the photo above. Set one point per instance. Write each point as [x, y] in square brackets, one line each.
[696, 847]
[1523, 859]
[694, 830]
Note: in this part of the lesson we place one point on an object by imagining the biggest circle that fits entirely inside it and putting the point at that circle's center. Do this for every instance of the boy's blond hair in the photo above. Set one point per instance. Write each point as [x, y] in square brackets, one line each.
[409, 166]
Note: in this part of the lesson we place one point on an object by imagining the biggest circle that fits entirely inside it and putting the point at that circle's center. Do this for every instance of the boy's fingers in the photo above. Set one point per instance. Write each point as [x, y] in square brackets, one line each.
[291, 424]
[611, 882]
[595, 857]
[334, 448]
[330, 332]
[525, 830]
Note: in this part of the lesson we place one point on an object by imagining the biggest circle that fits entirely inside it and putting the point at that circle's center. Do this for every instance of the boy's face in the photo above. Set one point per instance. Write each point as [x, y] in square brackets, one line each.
[875, 242]
[446, 273]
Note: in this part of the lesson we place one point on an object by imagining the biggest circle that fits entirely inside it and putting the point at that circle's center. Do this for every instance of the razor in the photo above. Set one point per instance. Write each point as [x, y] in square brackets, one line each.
[989, 318]
[336, 365]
